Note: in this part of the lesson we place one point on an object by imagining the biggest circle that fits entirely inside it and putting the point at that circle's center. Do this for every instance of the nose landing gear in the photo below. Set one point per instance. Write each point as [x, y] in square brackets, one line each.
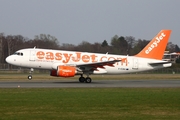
[30, 73]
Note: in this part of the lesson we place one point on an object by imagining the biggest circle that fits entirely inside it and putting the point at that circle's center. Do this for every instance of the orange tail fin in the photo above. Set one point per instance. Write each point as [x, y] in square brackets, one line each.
[156, 47]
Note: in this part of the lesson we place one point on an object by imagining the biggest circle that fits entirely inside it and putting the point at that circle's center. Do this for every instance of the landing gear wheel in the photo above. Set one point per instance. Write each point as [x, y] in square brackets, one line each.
[30, 73]
[82, 79]
[30, 77]
[88, 80]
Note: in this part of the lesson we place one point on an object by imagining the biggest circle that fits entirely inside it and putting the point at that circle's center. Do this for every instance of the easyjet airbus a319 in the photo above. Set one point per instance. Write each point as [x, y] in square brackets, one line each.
[70, 63]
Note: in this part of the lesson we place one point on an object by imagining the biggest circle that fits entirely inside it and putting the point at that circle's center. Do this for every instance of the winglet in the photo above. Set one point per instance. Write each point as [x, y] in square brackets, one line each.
[156, 47]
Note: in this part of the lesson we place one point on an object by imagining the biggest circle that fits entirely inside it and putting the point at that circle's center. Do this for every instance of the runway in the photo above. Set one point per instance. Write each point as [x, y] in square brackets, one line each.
[94, 84]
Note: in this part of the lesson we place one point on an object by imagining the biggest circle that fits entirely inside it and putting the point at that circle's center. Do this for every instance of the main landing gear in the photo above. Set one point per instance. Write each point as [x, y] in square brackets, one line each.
[30, 73]
[83, 79]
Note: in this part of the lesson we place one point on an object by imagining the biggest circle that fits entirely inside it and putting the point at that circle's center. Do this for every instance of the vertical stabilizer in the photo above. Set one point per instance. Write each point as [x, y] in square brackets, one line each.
[156, 47]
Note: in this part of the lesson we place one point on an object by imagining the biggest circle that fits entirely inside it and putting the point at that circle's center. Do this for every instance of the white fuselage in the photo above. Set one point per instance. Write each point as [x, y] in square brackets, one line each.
[50, 59]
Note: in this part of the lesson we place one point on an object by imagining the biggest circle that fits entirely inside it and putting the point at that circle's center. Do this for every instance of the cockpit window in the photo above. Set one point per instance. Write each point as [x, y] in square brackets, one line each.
[18, 53]
[15, 53]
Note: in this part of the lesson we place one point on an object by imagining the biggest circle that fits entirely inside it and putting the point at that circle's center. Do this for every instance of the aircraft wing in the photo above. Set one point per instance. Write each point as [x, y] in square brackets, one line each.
[95, 65]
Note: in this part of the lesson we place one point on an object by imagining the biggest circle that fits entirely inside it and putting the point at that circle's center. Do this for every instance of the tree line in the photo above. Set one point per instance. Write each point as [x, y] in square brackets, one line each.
[117, 45]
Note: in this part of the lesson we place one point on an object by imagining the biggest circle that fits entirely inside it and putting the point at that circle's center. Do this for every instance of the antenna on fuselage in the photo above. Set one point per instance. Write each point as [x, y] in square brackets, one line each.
[106, 56]
[34, 47]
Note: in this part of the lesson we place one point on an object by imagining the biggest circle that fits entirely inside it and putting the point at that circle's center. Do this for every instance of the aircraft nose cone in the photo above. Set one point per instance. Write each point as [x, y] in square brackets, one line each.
[8, 59]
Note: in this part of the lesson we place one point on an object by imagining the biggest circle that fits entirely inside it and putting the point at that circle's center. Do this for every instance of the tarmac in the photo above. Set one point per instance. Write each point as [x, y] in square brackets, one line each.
[93, 84]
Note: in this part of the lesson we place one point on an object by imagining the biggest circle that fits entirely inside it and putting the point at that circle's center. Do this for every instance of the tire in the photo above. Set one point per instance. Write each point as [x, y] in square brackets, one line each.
[30, 77]
[81, 79]
[88, 80]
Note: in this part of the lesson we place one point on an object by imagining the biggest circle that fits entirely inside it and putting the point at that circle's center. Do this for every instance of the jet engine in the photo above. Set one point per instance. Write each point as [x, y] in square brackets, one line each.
[64, 71]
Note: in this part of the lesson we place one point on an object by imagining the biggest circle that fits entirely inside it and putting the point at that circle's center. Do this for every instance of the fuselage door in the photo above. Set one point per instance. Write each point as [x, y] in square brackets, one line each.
[135, 63]
[32, 55]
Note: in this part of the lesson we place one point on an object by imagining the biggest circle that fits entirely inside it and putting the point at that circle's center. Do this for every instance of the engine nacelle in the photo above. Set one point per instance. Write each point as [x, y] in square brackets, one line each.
[64, 71]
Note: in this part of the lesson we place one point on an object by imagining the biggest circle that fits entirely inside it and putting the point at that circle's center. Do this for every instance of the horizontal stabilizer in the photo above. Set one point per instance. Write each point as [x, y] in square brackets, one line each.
[159, 63]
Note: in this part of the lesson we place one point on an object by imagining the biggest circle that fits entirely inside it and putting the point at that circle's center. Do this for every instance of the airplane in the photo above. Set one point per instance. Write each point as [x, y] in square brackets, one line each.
[70, 63]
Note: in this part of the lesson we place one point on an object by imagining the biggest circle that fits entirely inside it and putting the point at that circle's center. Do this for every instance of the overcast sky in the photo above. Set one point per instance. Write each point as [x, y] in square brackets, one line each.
[74, 21]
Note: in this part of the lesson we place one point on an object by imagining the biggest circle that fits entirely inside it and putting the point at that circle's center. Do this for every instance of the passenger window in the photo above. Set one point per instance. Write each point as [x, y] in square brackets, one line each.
[21, 54]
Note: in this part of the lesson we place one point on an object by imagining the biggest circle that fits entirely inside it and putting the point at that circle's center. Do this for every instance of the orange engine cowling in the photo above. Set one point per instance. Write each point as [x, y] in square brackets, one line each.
[64, 71]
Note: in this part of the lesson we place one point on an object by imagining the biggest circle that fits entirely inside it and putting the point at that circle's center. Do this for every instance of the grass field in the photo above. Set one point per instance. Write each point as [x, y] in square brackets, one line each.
[90, 103]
